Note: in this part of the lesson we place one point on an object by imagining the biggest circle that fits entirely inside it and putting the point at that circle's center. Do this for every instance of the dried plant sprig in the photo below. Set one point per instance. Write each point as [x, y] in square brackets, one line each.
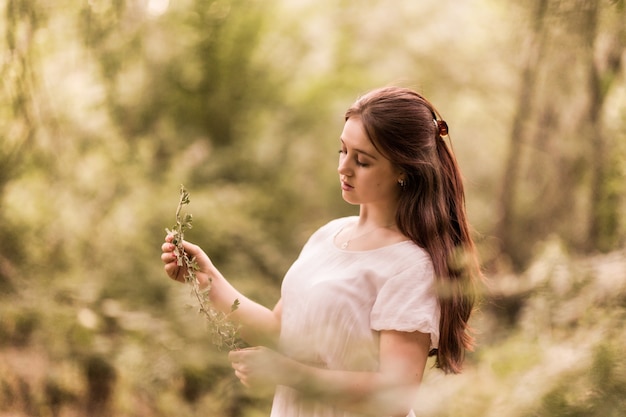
[224, 333]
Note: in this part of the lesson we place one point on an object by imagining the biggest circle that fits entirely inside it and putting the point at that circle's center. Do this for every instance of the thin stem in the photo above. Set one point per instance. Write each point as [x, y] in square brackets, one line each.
[224, 334]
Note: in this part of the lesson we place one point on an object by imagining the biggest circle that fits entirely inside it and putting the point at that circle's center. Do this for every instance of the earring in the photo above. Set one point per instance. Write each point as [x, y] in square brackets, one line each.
[401, 182]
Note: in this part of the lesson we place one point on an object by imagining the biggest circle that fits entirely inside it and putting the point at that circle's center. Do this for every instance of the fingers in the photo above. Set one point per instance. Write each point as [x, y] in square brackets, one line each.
[167, 246]
[169, 258]
[241, 355]
[234, 356]
[240, 369]
[243, 374]
[237, 357]
[243, 378]
[168, 253]
[248, 365]
[191, 249]
[173, 265]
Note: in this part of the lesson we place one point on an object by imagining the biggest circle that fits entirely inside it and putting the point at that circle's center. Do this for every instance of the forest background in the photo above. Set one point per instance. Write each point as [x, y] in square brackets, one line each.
[107, 106]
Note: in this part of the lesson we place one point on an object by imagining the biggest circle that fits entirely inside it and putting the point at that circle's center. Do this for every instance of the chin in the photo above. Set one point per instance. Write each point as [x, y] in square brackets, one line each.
[349, 200]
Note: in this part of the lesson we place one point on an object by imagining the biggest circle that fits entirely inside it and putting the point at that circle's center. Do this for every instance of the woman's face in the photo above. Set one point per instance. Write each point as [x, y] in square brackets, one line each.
[366, 176]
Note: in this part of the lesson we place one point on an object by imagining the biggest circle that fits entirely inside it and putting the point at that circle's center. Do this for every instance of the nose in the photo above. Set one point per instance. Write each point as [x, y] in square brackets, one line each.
[343, 168]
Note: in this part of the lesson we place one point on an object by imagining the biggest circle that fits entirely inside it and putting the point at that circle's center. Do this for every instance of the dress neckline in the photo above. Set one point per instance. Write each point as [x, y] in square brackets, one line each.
[346, 250]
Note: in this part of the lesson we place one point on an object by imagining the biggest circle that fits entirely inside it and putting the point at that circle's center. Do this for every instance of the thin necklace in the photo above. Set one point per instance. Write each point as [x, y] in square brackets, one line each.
[345, 244]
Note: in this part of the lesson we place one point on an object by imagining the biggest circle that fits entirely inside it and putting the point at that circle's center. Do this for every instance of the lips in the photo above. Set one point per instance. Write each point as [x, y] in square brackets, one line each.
[345, 186]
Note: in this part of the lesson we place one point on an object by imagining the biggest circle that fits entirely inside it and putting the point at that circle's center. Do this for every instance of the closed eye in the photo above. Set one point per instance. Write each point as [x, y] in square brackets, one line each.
[356, 160]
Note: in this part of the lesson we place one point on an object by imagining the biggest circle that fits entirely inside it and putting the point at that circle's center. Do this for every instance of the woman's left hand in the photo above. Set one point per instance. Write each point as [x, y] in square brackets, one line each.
[258, 366]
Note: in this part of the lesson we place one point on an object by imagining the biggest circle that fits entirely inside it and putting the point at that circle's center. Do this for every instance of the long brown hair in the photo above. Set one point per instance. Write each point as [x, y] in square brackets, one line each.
[407, 129]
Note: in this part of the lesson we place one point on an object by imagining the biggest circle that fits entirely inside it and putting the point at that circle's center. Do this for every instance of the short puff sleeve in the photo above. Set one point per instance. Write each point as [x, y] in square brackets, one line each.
[407, 302]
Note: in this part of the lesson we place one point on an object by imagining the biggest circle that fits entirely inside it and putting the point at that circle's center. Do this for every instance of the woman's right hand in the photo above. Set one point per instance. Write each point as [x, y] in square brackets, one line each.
[176, 272]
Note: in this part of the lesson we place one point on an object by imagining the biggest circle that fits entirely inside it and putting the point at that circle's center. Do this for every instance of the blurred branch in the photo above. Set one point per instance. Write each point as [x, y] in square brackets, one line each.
[19, 83]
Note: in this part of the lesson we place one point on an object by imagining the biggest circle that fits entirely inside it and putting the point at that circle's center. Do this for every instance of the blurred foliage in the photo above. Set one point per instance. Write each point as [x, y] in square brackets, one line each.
[562, 357]
[565, 169]
[107, 106]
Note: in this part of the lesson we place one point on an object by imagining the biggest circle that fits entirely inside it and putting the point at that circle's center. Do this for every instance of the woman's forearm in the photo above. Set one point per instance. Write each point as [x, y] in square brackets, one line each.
[368, 393]
[259, 324]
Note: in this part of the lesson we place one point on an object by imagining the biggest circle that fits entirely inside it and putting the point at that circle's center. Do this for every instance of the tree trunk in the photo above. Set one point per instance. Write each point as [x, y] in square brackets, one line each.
[505, 226]
[560, 177]
[604, 197]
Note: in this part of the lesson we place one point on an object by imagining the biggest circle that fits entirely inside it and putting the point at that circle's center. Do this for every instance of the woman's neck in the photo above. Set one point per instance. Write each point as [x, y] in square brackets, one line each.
[370, 216]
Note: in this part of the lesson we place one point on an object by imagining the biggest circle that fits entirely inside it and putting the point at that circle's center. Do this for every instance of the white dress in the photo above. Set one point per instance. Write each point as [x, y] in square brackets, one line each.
[335, 303]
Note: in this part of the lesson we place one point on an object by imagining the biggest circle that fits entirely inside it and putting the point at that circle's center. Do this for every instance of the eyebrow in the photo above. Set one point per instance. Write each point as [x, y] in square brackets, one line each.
[360, 151]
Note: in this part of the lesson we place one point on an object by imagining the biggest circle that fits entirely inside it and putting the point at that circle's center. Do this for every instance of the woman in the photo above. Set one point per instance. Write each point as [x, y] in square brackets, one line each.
[370, 297]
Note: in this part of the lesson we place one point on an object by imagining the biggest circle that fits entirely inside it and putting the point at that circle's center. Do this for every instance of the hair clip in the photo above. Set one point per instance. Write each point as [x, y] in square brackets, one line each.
[442, 127]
